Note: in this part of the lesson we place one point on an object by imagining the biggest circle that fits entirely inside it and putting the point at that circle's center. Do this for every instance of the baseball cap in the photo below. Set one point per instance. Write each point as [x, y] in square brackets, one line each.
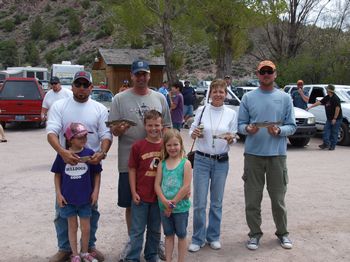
[75, 130]
[140, 65]
[54, 80]
[266, 63]
[83, 74]
[300, 82]
[330, 88]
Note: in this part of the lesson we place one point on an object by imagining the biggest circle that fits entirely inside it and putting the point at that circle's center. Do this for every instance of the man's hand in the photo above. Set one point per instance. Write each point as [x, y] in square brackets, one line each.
[119, 129]
[252, 129]
[333, 121]
[69, 157]
[273, 130]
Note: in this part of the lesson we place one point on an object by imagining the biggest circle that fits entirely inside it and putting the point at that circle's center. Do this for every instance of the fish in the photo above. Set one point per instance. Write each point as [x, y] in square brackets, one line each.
[266, 124]
[120, 122]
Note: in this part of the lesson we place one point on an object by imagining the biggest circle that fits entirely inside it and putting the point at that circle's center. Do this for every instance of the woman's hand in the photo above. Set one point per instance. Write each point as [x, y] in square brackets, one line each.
[197, 133]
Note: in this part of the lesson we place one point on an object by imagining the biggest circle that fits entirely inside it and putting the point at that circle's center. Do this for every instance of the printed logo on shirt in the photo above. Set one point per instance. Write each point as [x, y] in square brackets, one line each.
[75, 172]
[142, 109]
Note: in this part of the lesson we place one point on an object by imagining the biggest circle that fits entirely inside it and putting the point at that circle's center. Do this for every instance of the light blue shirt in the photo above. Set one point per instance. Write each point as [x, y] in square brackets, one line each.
[272, 106]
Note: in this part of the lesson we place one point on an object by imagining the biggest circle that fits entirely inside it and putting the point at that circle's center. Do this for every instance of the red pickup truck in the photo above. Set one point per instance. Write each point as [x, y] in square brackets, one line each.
[20, 101]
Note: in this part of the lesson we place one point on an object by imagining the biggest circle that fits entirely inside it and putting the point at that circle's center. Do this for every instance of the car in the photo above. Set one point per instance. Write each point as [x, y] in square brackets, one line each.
[241, 90]
[202, 87]
[305, 121]
[20, 101]
[316, 92]
[102, 95]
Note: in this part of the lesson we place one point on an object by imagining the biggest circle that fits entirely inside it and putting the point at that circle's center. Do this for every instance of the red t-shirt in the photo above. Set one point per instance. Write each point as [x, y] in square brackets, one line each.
[144, 157]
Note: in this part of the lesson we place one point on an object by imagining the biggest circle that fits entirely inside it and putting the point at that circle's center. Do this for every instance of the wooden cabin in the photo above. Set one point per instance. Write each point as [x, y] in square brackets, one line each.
[113, 66]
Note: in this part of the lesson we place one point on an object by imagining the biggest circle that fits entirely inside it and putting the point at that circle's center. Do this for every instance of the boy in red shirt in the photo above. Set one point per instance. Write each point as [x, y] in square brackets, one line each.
[143, 161]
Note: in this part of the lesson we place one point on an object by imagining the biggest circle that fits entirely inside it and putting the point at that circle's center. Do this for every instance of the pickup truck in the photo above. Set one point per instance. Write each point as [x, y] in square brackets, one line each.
[20, 101]
[305, 121]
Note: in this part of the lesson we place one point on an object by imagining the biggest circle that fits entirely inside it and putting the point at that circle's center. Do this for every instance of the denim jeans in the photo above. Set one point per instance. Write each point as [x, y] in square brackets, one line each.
[330, 132]
[142, 215]
[207, 172]
[61, 225]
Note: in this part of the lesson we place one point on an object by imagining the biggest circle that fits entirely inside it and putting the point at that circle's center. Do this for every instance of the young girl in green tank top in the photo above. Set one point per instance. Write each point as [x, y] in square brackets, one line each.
[173, 186]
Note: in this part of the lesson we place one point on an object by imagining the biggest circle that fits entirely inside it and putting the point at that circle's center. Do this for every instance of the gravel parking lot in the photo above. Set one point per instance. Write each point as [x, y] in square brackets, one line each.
[318, 202]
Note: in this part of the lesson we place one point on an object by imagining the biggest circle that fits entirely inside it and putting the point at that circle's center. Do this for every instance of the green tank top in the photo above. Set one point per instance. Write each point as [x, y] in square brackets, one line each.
[172, 181]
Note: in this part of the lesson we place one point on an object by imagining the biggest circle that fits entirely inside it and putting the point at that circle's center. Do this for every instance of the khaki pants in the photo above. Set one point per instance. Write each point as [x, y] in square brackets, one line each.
[255, 169]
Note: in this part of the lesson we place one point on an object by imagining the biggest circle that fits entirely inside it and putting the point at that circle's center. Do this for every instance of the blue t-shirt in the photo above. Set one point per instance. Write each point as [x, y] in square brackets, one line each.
[76, 181]
[189, 96]
[298, 100]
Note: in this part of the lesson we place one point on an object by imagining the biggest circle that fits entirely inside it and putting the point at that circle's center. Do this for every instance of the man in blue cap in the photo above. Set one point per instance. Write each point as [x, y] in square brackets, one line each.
[131, 104]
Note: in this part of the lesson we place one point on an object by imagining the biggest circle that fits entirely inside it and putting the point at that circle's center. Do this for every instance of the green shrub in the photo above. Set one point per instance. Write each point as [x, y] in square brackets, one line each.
[108, 27]
[8, 53]
[36, 28]
[74, 24]
[47, 8]
[8, 25]
[18, 19]
[51, 32]
[31, 53]
[57, 55]
[74, 45]
[85, 4]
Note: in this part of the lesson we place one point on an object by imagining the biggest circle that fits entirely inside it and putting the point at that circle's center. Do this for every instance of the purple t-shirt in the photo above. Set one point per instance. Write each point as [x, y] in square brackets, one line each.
[76, 181]
[177, 113]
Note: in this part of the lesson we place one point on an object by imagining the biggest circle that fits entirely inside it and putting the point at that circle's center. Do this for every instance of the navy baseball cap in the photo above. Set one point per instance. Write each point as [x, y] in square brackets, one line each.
[54, 80]
[83, 74]
[139, 65]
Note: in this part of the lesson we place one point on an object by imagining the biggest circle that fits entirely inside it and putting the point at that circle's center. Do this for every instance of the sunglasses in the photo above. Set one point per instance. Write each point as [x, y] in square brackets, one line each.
[84, 84]
[268, 71]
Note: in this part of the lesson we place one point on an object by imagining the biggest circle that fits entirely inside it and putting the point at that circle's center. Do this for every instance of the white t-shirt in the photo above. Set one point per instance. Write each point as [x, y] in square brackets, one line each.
[216, 121]
[51, 97]
[92, 114]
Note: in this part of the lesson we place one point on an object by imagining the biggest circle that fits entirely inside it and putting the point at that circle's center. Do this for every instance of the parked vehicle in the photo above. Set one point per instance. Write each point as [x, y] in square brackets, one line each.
[305, 120]
[65, 72]
[316, 92]
[104, 96]
[40, 73]
[20, 101]
[202, 87]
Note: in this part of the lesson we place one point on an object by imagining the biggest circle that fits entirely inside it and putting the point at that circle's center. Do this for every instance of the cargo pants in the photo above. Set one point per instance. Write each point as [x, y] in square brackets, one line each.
[256, 169]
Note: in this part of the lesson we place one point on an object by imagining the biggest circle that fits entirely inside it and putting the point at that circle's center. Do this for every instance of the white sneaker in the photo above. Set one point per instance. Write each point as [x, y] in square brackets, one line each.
[216, 245]
[195, 247]
[253, 243]
[286, 242]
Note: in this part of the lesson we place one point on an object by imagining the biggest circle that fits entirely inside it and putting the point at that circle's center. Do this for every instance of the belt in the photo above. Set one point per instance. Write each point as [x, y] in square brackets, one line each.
[216, 157]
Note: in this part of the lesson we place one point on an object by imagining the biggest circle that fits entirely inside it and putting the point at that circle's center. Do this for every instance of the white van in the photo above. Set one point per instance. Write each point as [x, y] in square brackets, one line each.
[65, 72]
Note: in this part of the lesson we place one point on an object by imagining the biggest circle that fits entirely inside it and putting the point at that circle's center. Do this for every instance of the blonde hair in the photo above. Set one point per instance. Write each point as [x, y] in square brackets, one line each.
[169, 134]
[218, 83]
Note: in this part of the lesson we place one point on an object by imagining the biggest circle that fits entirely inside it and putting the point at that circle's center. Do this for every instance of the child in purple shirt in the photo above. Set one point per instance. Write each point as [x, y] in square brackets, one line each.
[77, 188]
[177, 105]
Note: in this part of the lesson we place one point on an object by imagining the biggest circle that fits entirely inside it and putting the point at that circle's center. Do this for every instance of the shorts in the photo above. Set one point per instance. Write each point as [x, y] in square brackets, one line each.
[175, 224]
[188, 110]
[70, 210]
[124, 191]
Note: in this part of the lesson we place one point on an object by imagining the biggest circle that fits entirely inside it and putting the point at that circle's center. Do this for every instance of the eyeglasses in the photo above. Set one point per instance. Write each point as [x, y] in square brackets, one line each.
[264, 71]
[84, 84]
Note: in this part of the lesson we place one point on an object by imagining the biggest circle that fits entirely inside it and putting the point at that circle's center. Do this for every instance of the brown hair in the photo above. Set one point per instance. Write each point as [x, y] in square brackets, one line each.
[169, 134]
[218, 83]
[151, 114]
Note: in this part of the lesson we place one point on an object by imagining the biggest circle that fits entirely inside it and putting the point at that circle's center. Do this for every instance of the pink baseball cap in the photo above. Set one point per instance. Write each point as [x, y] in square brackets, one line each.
[75, 130]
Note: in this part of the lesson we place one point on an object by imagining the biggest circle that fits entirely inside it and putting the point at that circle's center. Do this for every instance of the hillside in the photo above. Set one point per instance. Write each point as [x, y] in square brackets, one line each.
[47, 32]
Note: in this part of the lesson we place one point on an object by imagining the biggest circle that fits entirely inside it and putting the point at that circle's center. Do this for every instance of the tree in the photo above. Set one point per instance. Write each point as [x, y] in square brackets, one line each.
[36, 28]
[32, 53]
[8, 53]
[74, 24]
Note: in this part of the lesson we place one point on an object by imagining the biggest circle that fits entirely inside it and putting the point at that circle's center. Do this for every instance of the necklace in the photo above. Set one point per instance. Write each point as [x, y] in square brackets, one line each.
[214, 132]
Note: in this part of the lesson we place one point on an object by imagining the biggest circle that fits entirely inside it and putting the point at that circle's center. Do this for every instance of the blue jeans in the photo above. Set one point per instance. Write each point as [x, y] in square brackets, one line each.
[207, 172]
[142, 215]
[330, 132]
[61, 225]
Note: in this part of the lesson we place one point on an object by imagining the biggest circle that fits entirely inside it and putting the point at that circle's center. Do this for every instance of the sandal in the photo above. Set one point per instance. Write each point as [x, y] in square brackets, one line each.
[3, 140]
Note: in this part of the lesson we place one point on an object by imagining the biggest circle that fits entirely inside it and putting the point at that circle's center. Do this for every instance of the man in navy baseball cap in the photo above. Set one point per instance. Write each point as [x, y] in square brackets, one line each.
[140, 66]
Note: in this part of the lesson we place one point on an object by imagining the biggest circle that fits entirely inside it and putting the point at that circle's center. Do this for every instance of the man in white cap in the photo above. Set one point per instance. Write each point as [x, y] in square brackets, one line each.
[131, 104]
[78, 108]
[266, 117]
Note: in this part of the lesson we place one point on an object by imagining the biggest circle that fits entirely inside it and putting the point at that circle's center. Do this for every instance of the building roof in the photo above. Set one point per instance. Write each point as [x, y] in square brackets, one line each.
[127, 56]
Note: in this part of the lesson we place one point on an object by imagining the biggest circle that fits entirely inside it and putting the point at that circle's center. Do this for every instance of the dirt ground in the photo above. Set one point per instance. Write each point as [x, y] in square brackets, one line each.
[318, 202]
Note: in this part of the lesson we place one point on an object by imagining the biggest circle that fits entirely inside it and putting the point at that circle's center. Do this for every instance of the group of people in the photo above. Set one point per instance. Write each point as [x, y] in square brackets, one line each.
[333, 110]
[181, 99]
[154, 184]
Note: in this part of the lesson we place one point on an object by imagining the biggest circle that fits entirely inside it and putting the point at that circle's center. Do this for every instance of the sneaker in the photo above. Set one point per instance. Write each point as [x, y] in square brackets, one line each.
[122, 256]
[331, 147]
[161, 250]
[195, 247]
[286, 242]
[60, 256]
[253, 243]
[216, 245]
[96, 254]
[75, 259]
[323, 146]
